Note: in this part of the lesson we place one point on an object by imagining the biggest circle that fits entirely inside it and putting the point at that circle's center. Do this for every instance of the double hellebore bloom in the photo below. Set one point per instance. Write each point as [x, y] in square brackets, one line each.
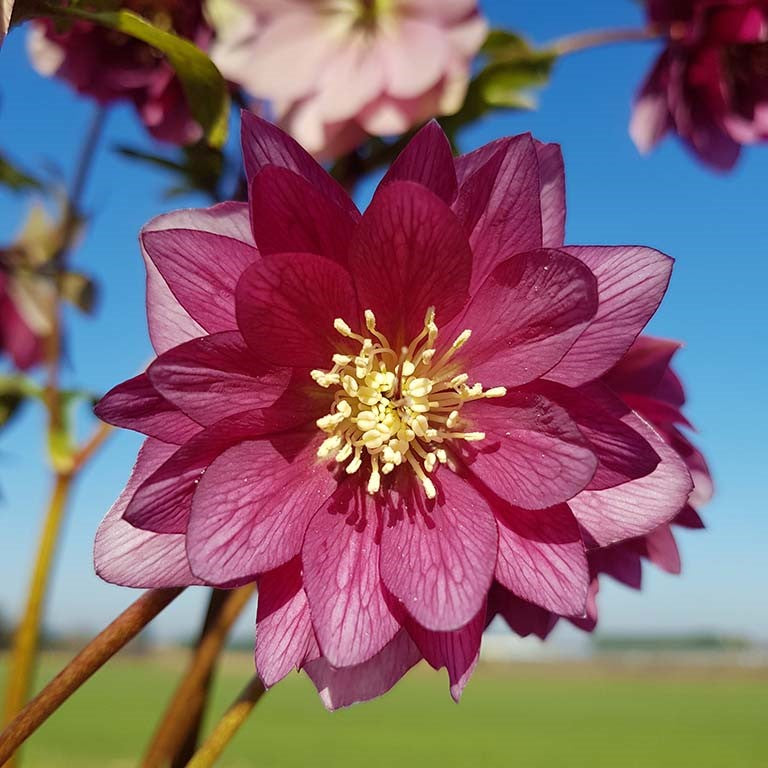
[710, 85]
[378, 417]
[109, 66]
[646, 382]
[336, 70]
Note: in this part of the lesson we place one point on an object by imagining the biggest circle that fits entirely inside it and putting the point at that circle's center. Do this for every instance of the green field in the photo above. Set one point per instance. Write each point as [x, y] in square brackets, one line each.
[524, 715]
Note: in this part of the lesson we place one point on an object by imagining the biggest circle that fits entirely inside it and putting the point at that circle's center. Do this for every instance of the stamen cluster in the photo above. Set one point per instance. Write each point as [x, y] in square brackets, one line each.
[397, 407]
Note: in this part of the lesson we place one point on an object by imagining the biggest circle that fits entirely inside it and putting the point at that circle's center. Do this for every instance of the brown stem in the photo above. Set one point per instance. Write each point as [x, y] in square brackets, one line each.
[228, 726]
[176, 737]
[584, 40]
[105, 645]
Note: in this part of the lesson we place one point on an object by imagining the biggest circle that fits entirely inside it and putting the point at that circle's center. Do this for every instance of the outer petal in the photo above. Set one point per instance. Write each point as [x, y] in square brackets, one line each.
[542, 558]
[457, 651]
[136, 404]
[662, 550]
[131, 557]
[265, 144]
[650, 117]
[286, 307]
[216, 376]
[525, 317]
[638, 507]
[253, 504]
[631, 282]
[621, 561]
[341, 577]
[169, 323]
[343, 687]
[523, 618]
[427, 160]
[437, 557]
[284, 637]
[202, 270]
[552, 174]
[409, 254]
[533, 455]
[290, 215]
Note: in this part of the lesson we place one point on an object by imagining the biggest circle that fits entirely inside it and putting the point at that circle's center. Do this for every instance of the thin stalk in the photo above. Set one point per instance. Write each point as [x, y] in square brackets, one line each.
[582, 41]
[102, 648]
[175, 739]
[228, 726]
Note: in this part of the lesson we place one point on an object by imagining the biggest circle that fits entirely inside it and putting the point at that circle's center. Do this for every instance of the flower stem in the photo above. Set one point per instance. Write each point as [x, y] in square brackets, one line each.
[582, 41]
[228, 726]
[105, 645]
[175, 739]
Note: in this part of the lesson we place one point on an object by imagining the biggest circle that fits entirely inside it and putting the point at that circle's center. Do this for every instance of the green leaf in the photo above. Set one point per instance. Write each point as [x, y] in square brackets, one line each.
[18, 180]
[507, 83]
[14, 391]
[79, 290]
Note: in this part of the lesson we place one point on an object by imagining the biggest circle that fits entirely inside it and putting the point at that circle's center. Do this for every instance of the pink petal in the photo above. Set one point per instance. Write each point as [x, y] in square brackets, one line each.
[216, 376]
[552, 177]
[457, 651]
[202, 270]
[662, 550]
[639, 506]
[525, 317]
[344, 687]
[502, 191]
[427, 159]
[523, 618]
[130, 557]
[437, 557]
[136, 404]
[688, 517]
[588, 623]
[341, 576]
[446, 10]
[643, 367]
[286, 307]
[253, 504]
[409, 254]
[265, 144]
[631, 281]
[651, 118]
[284, 637]
[169, 323]
[533, 455]
[290, 215]
[621, 561]
[542, 558]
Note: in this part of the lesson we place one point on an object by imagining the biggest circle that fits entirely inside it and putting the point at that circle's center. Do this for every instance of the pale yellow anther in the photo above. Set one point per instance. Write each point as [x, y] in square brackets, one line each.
[419, 387]
[370, 320]
[330, 422]
[374, 481]
[350, 385]
[342, 328]
[344, 408]
[471, 437]
[329, 446]
[355, 464]
[442, 456]
[496, 392]
[452, 420]
[430, 462]
[344, 453]
[462, 339]
[408, 368]
[342, 359]
[367, 420]
[457, 381]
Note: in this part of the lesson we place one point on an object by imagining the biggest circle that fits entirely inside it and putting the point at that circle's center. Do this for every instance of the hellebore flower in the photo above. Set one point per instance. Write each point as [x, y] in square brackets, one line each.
[710, 85]
[109, 66]
[378, 416]
[646, 382]
[336, 70]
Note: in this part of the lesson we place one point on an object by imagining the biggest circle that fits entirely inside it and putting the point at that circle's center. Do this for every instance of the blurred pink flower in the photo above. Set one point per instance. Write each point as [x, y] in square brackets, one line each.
[710, 85]
[316, 421]
[336, 70]
[646, 382]
[22, 336]
[109, 66]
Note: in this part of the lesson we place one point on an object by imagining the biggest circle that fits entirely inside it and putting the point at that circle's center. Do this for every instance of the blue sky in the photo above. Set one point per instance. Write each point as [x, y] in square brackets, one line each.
[715, 227]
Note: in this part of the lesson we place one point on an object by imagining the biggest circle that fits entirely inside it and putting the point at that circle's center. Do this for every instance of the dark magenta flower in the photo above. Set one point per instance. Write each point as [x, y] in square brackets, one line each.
[710, 85]
[109, 66]
[379, 416]
[646, 382]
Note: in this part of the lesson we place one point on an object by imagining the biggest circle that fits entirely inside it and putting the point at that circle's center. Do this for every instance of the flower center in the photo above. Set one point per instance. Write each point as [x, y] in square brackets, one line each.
[396, 407]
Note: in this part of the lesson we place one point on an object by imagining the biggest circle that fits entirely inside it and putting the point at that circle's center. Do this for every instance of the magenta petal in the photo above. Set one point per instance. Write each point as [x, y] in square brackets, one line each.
[437, 557]
[344, 687]
[284, 637]
[542, 558]
[523, 618]
[621, 561]
[631, 282]
[265, 144]
[688, 517]
[651, 118]
[502, 190]
[552, 173]
[131, 557]
[202, 270]
[286, 307]
[409, 253]
[533, 455]
[253, 504]
[216, 376]
[341, 577]
[169, 323]
[136, 404]
[662, 550]
[525, 317]
[457, 651]
[427, 160]
[639, 506]
[290, 215]
[643, 368]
